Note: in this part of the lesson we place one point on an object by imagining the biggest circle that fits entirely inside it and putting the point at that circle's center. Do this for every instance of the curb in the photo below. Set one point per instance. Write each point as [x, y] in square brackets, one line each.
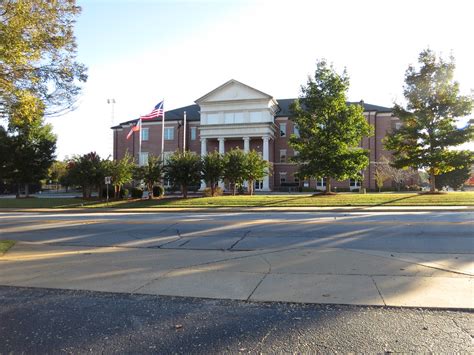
[375, 209]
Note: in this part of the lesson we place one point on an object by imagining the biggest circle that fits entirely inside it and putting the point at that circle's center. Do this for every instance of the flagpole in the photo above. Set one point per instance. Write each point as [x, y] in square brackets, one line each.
[184, 134]
[163, 134]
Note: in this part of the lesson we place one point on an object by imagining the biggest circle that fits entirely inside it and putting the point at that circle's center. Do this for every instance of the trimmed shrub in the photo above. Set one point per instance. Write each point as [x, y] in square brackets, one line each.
[218, 192]
[158, 191]
[136, 192]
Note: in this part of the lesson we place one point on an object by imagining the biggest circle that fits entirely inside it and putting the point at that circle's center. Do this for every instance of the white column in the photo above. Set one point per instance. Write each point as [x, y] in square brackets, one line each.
[203, 153]
[246, 144]
[221, 151]
[246, 150]
[266, 156]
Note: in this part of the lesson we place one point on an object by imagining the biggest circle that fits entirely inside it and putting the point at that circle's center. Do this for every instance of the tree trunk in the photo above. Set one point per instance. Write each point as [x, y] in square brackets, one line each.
[150, 191]
[234, 188]
[328, 185]
[432, 183]
[27, 190]
[213, 189]
[185, 191]
[18, 192]
[250, 187]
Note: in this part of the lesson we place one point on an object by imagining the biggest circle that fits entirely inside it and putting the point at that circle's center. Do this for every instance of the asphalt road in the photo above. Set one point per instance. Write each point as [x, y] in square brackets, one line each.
[418, 232]
[38, 321]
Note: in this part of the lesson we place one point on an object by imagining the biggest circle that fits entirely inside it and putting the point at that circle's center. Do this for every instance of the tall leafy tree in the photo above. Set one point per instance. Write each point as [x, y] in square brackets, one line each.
[151, 173]
[86, 171]
[38, 56]
[234, 168]
[429, 128]
[330, 130]
[255, 169]
[184, 169]
[30, 148]
[212, 170]
[457, 177]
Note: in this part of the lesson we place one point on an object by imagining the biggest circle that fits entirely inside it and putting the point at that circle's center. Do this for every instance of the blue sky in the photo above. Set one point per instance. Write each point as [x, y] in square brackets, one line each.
[139, 52]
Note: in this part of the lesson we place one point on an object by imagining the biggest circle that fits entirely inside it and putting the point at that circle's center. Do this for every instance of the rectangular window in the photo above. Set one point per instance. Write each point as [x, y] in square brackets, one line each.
[229, 117]
[321, 182]
[296, 131]
[353, 183]
[282, 177]
[255, 116]
[169, 133]
[193, 133]
[282, 129]
[296, 179]
[212, 118]
[398, 125]
[145, 134]
[239, 117]
[143, 159]
[282, 155]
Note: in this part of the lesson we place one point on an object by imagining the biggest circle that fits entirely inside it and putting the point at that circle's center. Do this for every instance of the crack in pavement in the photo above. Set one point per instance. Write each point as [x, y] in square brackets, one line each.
[378, 290]
[263, 278]
[409, 261]
[238, 241]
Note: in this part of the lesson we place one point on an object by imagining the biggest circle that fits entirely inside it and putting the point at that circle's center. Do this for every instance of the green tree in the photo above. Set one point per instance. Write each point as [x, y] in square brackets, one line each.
[429, 119]
[151, 173]
[121, 172]
[255, 169]
[212, 170]
[57, 171]
[184, 170]
[330, 130]
[29, 153]
[86, 171]
[234, 168]
[457, 177]
[37, 56]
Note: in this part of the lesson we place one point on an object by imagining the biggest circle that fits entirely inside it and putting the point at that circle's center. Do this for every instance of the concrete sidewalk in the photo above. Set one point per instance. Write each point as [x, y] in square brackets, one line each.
[307, 275]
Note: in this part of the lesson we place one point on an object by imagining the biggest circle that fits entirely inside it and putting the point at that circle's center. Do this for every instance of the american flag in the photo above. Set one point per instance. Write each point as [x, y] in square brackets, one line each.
[157, 112]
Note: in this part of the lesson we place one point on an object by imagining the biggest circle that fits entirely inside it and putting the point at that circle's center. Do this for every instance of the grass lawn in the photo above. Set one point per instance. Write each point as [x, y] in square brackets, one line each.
[43, 202]
[341, 199]
[5, 245]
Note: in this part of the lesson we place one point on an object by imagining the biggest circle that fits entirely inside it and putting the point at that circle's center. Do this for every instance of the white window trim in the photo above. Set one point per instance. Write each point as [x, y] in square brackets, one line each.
[169, 129]
[145, 137]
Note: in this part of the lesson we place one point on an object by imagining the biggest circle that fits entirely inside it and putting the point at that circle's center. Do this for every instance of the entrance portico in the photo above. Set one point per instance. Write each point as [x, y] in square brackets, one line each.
[235, 112]
[262, 141]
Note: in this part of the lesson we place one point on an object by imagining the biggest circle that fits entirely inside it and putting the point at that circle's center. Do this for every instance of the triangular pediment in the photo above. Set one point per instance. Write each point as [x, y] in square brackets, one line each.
[233, 90]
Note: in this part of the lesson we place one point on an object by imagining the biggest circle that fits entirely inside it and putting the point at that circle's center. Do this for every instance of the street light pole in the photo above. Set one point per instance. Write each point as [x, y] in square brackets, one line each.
[112, 119]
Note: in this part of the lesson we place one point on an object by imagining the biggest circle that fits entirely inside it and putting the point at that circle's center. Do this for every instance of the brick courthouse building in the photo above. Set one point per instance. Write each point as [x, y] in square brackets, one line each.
[237, 115]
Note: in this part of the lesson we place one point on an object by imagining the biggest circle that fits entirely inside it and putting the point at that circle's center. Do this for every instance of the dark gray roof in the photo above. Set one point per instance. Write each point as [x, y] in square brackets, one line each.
[285, 107]
[192, 112]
